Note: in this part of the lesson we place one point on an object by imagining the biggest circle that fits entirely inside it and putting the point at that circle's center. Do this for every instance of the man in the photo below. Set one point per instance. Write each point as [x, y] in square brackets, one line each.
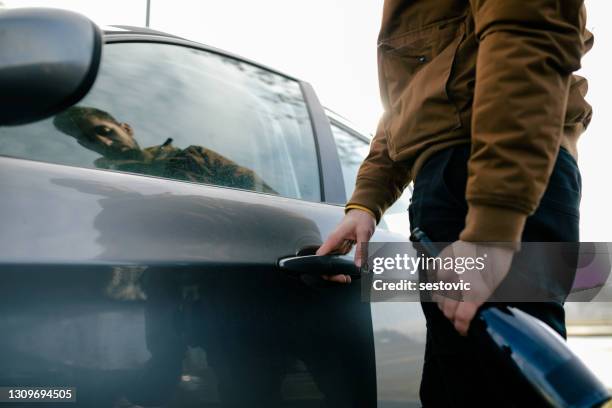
[482, 112]
[100, 132]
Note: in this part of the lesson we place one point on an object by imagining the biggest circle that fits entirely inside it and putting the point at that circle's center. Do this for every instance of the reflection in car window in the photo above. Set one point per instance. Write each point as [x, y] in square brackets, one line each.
[352, 150]
[181, 113]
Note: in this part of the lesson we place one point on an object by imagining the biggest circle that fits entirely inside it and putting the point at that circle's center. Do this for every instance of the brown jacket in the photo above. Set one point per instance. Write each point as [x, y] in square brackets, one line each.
[496, 73]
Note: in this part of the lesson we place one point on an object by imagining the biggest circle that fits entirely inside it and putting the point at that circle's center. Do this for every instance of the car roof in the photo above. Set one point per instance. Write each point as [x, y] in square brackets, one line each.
[123, 29]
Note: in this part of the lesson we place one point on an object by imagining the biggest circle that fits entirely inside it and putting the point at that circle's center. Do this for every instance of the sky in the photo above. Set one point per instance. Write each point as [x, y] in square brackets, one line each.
[332, 45]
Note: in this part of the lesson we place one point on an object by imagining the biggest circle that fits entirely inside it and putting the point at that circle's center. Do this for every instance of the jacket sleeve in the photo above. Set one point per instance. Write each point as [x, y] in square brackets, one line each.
[527, 52]
[380, 180]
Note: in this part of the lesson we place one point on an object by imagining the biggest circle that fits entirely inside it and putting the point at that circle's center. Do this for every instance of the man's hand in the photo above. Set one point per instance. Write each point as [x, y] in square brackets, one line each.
[461, 306]
[357, 227]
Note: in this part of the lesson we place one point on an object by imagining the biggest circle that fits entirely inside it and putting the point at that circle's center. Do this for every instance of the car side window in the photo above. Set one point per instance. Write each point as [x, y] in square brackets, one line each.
[352, 150]
[185, 114]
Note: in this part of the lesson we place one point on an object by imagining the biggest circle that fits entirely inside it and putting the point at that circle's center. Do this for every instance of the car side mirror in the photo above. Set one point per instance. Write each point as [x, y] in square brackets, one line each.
[49, 60]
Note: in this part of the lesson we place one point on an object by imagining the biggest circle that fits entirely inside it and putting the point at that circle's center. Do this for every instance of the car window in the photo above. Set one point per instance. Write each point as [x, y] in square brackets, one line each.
[177, 112]
[352, 150]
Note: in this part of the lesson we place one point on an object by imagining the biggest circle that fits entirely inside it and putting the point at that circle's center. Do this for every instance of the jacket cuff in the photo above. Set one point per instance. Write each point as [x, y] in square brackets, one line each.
[372, 195]
[493, 224]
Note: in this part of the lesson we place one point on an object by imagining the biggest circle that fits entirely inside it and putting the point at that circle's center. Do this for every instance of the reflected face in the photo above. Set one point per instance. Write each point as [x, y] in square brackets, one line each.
[105, 136]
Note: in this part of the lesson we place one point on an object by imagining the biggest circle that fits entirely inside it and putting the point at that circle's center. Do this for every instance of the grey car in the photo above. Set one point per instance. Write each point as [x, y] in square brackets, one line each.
[143, 231]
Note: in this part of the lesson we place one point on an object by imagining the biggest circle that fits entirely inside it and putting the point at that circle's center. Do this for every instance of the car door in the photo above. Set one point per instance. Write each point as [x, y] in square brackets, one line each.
[141, 235]
[399, 327]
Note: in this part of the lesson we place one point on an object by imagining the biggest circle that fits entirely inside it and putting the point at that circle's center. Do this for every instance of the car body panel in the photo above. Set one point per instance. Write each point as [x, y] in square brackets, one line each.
[132, 280]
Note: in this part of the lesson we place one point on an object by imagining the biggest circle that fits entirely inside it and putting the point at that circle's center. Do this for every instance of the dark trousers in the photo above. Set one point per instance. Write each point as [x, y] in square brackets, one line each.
[454, 374]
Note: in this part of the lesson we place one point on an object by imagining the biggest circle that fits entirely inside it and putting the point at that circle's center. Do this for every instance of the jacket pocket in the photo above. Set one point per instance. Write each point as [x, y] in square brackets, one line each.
[415, 72]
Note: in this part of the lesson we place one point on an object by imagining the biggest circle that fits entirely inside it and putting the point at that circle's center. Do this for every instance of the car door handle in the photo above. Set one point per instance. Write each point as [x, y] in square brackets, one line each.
[320, 265]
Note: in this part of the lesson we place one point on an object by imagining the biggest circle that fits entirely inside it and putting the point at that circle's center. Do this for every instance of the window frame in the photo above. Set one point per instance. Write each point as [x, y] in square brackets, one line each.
[335, 122]
[328, 163]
